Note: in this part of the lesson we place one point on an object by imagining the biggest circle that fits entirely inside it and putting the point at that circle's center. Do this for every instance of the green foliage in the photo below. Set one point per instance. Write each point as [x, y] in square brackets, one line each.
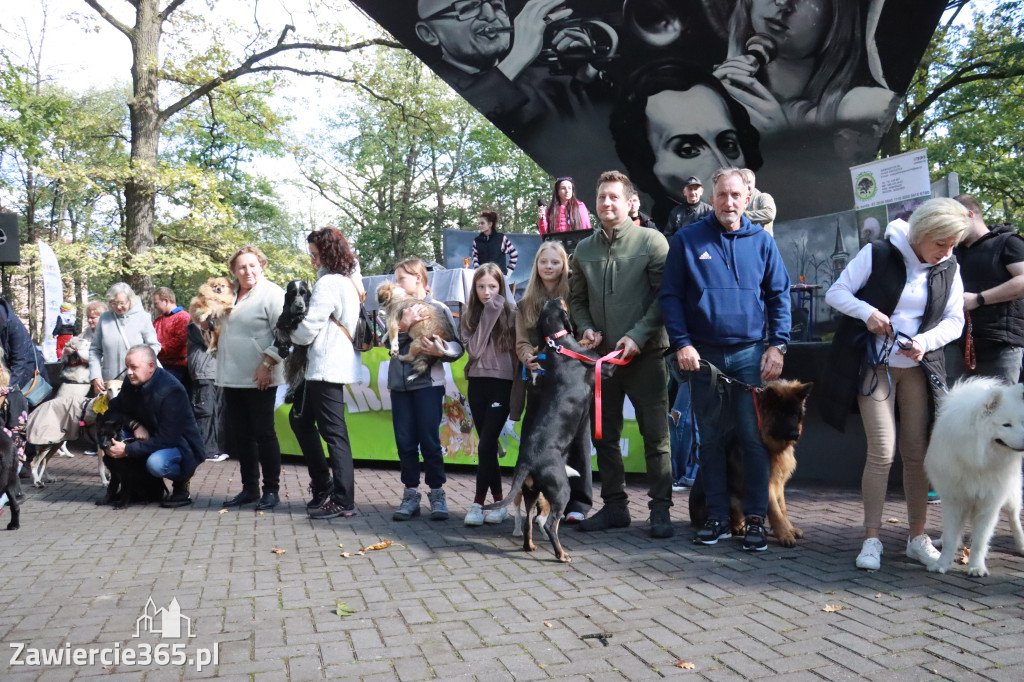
[966, 106]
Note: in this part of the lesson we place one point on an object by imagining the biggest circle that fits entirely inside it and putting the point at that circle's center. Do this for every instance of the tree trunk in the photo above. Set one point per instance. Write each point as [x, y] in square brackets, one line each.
[146, 122]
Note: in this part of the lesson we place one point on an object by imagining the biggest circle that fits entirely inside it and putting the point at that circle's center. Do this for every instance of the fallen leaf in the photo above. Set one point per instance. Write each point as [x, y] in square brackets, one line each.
[347, 554]
[878, 596]
[832, 608]
[340, 545]
[343, 609]
[892, 520]
[383, 544]
[260, 513]
[547, 625]
[963, 555]
[278, 551]
[686, 665]
[223, 511]
[831, 592]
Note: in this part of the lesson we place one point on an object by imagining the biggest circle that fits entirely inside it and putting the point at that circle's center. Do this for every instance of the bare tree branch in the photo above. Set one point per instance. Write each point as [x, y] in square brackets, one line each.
[249, 66]
[110, 18]
[171, 6]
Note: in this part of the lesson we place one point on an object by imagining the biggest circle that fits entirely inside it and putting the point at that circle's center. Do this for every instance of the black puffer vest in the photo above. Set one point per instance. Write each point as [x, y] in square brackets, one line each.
[882, 290]
[488, 250]
[981, 268]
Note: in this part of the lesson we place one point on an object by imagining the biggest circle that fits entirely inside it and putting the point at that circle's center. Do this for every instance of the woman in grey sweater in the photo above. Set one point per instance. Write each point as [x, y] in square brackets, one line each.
[124, 325]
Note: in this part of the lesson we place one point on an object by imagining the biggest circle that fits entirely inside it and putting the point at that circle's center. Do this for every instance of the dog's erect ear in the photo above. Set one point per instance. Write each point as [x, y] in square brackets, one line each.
[993, 401]
[805, 390]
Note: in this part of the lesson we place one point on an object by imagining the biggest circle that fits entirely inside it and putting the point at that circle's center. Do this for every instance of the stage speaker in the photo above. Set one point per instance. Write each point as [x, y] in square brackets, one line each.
[10, 250]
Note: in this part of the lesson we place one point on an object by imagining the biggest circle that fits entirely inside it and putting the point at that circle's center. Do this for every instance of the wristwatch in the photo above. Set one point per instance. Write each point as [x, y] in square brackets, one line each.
[783, 347]
[981, 299]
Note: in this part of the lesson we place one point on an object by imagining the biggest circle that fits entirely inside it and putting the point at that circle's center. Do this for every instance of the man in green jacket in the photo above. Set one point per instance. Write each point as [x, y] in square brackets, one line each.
[614, 286]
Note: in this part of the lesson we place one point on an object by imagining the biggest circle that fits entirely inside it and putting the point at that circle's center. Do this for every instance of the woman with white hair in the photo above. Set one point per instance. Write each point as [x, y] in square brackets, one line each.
[125, 324]
[902, 301]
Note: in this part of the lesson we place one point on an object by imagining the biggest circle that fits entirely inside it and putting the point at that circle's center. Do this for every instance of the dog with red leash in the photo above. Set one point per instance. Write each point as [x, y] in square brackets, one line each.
[557, 406]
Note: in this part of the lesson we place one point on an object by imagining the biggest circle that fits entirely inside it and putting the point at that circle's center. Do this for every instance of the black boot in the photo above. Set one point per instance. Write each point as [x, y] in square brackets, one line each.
[179, 497]
[320, 493]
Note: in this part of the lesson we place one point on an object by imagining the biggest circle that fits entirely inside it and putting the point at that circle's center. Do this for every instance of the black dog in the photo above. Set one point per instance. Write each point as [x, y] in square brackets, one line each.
[130, 481]
[296, 305]
[9, 478]
[557, 407]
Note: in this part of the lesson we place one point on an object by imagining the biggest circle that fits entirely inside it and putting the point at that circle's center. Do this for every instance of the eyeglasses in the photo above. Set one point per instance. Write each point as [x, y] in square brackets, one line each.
[464, 10]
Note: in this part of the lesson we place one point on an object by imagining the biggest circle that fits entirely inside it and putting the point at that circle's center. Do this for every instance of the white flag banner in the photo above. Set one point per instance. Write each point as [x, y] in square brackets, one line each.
[53, 296]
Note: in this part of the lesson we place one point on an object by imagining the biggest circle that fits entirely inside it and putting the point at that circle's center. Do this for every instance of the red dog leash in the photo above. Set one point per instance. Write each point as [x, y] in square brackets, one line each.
[612, 357]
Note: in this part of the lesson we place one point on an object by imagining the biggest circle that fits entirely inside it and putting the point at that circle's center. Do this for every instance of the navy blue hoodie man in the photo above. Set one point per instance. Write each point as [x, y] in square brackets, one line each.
[725, 300]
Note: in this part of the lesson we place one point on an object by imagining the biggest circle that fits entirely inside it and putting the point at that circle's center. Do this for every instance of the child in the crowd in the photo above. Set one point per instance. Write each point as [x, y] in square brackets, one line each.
[550, 279]
[206, 397]
[416, 403]
[487, 330]
[65, 327]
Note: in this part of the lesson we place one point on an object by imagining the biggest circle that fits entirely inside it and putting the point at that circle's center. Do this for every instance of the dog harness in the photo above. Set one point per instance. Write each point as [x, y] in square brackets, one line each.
[612, 357]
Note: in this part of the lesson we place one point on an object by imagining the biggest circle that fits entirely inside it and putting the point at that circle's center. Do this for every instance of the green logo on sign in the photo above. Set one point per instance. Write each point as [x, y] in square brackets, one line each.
[866, 187]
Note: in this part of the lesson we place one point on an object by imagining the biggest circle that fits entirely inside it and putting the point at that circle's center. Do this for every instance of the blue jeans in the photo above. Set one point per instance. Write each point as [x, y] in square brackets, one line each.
[682, 428]
[727, 418]
[416, 417]
[165, 463]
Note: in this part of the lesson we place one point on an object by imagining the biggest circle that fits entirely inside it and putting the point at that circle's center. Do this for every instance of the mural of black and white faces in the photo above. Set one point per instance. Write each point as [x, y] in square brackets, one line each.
[798, 90]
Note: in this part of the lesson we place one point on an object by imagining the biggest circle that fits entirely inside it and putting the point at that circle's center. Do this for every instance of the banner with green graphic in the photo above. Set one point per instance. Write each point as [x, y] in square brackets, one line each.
[368, 416]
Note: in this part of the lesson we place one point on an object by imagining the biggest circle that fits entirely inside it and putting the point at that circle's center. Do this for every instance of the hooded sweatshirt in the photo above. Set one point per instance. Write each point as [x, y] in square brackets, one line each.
[724, 288]
[909, 311]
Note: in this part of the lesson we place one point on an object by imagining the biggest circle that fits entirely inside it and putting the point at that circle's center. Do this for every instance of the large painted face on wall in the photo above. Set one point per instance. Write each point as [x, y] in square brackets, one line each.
[802, 89]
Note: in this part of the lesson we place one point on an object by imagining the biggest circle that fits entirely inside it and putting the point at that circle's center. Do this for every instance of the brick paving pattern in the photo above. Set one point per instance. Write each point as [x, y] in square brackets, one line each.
[447, 602]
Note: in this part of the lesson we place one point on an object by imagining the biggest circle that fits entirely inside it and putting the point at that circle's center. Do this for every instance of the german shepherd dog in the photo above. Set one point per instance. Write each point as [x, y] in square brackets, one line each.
[296, 306]
[556, 408]
[130, 481]
[782, 406]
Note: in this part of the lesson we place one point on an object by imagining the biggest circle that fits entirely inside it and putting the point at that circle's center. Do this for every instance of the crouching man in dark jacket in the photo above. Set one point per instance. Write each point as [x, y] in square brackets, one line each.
[160, 414]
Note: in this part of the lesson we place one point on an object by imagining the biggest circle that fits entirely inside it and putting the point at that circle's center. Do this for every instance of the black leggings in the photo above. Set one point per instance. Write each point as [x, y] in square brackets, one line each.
[488, 401]
[250, 421]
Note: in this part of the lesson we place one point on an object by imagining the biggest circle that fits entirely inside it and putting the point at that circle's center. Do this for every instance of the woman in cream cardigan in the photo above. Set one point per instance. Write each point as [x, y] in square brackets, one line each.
[332, 362]
[249, 370]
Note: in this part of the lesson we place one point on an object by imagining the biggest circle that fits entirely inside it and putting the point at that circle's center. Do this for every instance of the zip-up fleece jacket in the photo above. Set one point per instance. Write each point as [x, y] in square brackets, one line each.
[723, 288]
[614, 285]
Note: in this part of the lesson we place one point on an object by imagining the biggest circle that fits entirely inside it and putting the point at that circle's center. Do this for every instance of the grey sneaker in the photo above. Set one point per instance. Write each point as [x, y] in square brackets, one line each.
[409, 507]
[438, 504]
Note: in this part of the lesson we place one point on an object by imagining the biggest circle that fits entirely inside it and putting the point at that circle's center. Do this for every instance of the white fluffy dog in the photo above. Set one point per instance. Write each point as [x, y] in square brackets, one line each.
[974, 464]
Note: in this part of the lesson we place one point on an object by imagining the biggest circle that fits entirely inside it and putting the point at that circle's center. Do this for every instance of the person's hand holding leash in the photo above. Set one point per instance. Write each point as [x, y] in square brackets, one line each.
[116, 449]
[911, 349]
[628, 346]
[771, 364]
[98, 386]
[879, 324]
[688, 359]
[532, 364]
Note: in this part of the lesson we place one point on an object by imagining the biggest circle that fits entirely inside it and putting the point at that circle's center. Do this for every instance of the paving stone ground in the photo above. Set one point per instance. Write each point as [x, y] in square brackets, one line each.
[447, 602]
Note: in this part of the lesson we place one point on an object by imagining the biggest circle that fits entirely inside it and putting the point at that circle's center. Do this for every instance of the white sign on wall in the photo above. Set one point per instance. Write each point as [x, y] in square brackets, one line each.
[891, 180]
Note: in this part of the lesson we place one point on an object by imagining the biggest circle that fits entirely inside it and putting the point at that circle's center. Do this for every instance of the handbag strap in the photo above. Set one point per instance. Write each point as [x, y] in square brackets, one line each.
[335, 321]
[362, 300]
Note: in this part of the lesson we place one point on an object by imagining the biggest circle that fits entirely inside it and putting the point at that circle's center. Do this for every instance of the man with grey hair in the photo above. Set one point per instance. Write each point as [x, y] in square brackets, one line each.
[162, 430]
[725, 284]
[761, 209]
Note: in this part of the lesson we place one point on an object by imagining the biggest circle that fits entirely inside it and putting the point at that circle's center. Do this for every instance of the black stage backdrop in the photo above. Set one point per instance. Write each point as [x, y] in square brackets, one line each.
[797, 90]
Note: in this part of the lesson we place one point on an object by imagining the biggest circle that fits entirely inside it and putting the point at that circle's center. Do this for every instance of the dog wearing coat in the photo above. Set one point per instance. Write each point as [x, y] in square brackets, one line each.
[556, 408]
[974, 464]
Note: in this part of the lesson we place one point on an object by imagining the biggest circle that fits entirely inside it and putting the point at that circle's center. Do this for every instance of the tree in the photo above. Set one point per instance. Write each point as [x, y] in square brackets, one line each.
[196, 78]
[966, 103]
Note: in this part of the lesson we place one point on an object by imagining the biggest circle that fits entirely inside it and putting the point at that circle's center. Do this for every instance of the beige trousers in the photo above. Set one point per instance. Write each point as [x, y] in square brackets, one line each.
[909, 391]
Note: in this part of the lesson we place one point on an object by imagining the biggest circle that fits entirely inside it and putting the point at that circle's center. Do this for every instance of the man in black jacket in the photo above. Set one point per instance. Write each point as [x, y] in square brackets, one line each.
[19, 351]
[693, 210]
[159, 413]
[992, 268]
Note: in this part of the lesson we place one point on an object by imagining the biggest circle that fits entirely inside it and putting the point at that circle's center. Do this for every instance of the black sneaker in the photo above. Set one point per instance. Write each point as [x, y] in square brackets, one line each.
[319, 495]
[331, 509]
[609, 516]
[712, 532]
[756, 539]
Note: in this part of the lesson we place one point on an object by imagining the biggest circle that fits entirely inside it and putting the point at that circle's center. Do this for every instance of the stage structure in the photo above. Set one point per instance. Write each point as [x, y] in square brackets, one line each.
[797, 90]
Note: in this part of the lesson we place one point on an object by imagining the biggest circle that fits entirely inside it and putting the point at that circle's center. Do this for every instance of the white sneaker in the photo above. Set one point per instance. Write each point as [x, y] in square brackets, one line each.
[475, 515]
[921, 549]
[574, 517]
[870, 557]
[496, 515]
[217, 458]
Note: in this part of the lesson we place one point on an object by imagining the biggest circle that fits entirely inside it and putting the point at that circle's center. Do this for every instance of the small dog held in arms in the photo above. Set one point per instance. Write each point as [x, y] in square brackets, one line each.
[394, 301]
[781, 405]
[296, 306]
[555, 410]
[974, 464]
[215, 300]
